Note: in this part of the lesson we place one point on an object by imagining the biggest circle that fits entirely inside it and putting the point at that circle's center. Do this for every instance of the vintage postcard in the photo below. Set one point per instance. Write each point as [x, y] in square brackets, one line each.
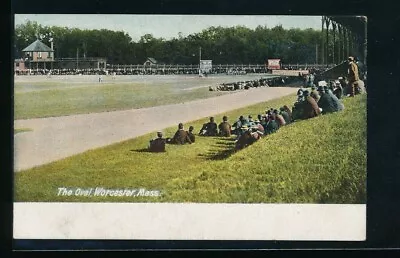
[190, 127]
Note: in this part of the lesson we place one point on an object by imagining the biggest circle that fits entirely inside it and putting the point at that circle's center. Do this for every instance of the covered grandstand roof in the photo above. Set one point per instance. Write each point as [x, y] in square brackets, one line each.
[37, 46]
[354, 23]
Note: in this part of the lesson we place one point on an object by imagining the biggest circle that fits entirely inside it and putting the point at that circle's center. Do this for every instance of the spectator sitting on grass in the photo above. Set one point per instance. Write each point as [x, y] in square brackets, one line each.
[158, 144]
[271, 126]
[337, 105]
[192, 137]
[245, 139]
[310, 108]
[279, 119]
[181, 136]
[209, 129]
[314, 93]
[285, 115]
[225, 128]
[338, 90]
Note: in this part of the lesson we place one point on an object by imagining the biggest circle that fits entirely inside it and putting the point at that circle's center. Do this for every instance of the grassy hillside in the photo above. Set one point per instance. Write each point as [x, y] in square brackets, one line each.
[321, 160]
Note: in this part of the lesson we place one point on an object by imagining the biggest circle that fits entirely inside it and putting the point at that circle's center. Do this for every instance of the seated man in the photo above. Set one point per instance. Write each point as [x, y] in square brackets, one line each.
[244, 140]
[192, 137]
[281, 121]
[310, 108]
[158, 144]
[271, 126]
[181, 136]
[329, 102]
[209, 129]
[224, 127]
[314, 93]
[285, 115]
[338, 89]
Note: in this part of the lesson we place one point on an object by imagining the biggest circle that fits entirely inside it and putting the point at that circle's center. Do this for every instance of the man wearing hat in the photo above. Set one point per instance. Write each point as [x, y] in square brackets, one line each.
[352, 76]
[338, 90]
[158, 144]
[310, 108]
[225, 128]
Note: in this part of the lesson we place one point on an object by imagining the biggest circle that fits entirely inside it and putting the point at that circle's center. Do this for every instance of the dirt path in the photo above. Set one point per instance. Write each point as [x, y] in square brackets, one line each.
[56, 138]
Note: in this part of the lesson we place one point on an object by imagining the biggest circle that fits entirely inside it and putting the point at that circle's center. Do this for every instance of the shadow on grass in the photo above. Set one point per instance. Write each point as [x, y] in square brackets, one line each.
[144, 150]
[224, 150]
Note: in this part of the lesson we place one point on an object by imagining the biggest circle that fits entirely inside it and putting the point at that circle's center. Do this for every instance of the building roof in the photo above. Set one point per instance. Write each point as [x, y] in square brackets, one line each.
[37, 46]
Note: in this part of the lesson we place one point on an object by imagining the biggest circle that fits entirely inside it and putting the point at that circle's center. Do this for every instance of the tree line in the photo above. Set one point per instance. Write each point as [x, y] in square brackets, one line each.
[223, 45]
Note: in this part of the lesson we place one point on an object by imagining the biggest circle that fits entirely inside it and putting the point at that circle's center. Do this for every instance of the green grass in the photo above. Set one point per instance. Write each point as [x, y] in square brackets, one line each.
[54, 100]
[21, 130]
[320, 160]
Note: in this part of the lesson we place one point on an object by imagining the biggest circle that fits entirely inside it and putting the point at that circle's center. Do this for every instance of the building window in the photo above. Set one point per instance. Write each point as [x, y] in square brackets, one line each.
[39, 54]
[17, 64]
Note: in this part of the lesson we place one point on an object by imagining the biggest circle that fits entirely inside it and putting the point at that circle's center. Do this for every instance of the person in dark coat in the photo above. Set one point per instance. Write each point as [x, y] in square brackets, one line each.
[336, 104]
[272, 126]
[225, 128]
[181, 136]
[287, 109]
[245, 139]
[158, 144]
[209, 129]
[326, 102]
[285, 115]
[310, 108]
[338, 90]
[192, 137]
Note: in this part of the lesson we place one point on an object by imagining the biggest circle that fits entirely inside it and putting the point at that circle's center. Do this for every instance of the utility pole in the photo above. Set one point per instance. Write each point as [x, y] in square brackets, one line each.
[316, 53]
[200, 61]
[77, 58]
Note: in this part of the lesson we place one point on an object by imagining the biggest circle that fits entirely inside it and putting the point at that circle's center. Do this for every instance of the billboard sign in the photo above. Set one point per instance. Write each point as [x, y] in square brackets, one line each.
[274, 64]
[205, 66]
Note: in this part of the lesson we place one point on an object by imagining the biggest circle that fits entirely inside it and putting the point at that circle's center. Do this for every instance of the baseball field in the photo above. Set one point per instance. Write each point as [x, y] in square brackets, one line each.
[98, 134]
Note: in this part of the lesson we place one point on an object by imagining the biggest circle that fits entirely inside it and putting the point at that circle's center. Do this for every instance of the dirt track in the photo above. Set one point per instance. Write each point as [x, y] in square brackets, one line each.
[56, 138]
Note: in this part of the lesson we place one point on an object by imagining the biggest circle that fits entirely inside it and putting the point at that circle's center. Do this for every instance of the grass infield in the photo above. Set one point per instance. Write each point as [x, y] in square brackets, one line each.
[320, 160]
[55, 99]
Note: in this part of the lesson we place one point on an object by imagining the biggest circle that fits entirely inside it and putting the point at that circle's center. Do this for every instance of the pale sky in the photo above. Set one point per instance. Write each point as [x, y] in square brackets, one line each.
[166, 26]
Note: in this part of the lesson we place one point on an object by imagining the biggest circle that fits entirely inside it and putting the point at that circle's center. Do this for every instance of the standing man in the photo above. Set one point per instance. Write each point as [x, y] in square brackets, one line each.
[352, 76]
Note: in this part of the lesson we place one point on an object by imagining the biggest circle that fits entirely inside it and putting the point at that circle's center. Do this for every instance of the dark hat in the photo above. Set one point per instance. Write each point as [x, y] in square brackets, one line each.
[275, 111]
[282, 109]
[306, 93]
[191, 128]
[159, 134]
[180, 125]
[225, 118]
[320, 88]
[250, 116]
[313, 87]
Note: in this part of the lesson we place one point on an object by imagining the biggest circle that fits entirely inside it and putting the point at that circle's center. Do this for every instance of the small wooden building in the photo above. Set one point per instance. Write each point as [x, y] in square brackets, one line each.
[39, 56]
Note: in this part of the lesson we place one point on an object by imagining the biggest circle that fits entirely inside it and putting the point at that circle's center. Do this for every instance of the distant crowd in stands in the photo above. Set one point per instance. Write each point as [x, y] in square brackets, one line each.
[235, 70]
[321, 99]
[263, 82]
